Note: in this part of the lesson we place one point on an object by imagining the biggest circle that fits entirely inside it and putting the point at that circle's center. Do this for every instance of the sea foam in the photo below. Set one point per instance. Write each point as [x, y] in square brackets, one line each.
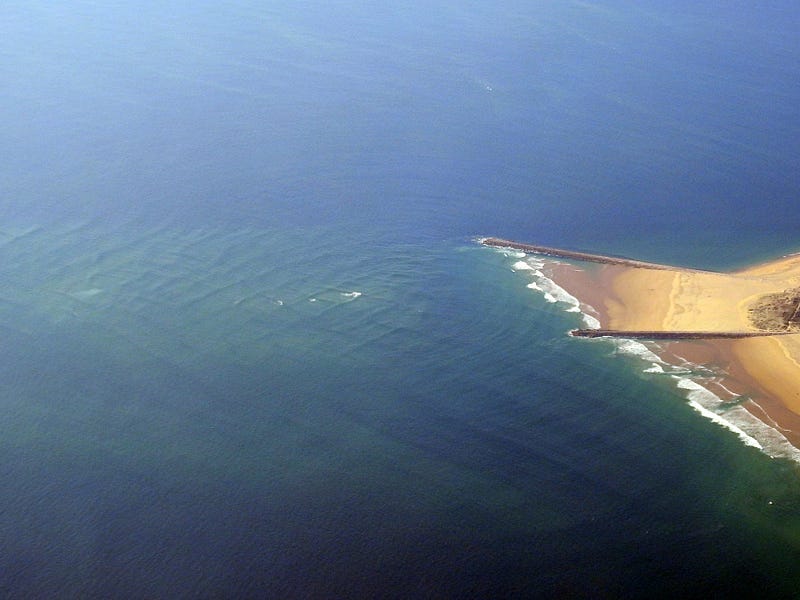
[751, 430]
[704, 401]
[550, 290]
[639, 350]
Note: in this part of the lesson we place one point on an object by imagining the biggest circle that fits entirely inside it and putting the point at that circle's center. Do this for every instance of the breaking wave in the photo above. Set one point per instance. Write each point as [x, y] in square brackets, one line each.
[750, 429]
[550, 290]
[704, 401]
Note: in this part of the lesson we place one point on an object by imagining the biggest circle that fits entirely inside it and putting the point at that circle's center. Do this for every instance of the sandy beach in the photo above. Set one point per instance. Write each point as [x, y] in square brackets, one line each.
[765, 371]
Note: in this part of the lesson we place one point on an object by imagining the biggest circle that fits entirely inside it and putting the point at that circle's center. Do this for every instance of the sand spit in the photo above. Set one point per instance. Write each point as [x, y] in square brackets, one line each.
[744, 321]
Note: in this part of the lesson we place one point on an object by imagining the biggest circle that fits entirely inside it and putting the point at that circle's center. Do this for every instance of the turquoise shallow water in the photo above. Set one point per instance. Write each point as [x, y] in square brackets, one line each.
[251, 348]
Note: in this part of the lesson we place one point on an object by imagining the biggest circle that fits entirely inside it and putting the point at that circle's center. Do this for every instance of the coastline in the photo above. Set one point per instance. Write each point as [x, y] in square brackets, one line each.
[754, 381]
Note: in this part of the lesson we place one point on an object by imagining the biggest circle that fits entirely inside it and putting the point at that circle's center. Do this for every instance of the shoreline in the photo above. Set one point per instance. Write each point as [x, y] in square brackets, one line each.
[744, 369]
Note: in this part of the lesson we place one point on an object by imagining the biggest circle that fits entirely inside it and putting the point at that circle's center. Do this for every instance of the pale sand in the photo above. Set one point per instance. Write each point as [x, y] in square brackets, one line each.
[773, 362]
[687, 301]
[767, 368]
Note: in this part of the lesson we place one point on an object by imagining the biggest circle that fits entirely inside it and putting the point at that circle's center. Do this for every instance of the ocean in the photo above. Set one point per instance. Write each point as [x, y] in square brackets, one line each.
[252, 348]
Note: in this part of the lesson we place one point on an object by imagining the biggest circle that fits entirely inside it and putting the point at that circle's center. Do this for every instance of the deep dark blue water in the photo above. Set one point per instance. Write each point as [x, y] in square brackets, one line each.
[251, 349]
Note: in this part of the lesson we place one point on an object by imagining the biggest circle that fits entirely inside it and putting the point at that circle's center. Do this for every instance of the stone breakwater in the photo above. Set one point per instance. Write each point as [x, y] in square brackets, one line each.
[583, 256]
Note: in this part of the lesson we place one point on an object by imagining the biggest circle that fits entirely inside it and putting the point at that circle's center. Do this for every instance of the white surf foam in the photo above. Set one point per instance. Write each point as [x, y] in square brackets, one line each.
[704, 401]
[505, 251]
[555, 293]
[773, 441]
[750, 429]
[550, 290]
[639, 350]
[591, 322]
[521, 265]
[86, 294]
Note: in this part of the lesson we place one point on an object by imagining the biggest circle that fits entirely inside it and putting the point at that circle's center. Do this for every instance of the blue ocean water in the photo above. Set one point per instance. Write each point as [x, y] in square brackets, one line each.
[251, 349]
